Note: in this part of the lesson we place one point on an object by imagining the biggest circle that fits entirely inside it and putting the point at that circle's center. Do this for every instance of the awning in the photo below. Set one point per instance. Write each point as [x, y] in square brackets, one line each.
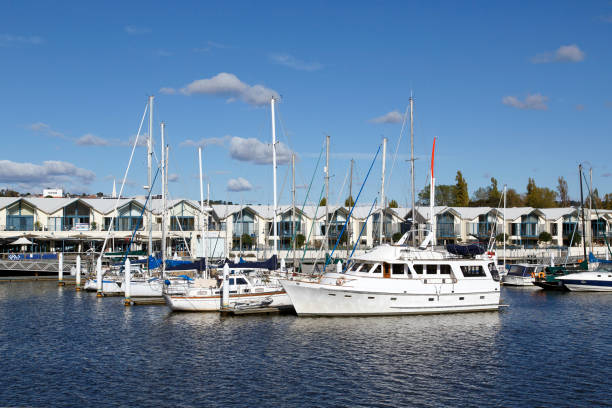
[21, 241]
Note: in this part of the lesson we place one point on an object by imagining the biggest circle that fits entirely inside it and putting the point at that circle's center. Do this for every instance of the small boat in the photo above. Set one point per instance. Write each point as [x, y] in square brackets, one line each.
[522, 274]
[205, 295]
[597, 280]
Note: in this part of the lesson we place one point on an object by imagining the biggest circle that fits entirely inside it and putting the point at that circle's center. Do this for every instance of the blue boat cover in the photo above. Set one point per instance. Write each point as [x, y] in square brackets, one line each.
[593, 259]
[178, 265]
[466, 250]
[270, 264]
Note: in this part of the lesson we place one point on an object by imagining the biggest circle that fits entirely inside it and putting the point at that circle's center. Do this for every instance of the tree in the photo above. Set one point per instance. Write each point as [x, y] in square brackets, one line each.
[597, 202]
[299, 240]
[393, 204]
[563, 192]
[323, 202]
[607, 202]
[396, 237]
[100, 194]
[349, 202]
[513, 199]
[247, 241]
[93, 226]
[545, 237]
[501, 237]
[445, 195]
[494, 194]
[539, 197]
[462, 198]
[8, 193]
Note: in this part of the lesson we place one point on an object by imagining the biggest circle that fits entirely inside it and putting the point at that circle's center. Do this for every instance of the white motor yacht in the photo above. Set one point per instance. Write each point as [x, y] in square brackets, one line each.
[398, 280]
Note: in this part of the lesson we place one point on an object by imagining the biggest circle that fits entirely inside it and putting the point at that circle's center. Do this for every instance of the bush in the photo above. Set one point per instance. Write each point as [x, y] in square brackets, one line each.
[247, 241]
[396, 237]
[501, 237]
[300, 240]
[545, 237]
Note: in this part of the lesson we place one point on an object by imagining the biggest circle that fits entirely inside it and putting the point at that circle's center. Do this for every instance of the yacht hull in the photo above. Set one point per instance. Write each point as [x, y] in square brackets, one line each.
[328, 300]
[588, 281]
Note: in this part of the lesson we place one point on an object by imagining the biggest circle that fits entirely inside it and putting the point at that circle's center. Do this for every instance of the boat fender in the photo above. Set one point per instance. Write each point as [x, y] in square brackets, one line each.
[339, 282]
[167, 282]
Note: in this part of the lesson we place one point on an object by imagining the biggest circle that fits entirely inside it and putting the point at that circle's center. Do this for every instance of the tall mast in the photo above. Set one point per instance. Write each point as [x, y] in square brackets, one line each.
[582, 210]
[504, 227]
[165, 218]
[150, 179]
[432, 198]
[382, 193]
[591, 207]
[350, 230]
[204, 219]
[412, 166]
[293, 229]
[163, 184]
[275, 232]
[326, 243]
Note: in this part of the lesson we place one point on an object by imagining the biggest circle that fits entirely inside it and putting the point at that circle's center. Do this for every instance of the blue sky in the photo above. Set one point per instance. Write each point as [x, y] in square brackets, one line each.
[510, 90]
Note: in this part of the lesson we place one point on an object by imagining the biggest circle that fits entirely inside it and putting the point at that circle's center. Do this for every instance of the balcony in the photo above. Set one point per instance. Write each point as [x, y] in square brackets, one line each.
[481, 229]
[447, 230]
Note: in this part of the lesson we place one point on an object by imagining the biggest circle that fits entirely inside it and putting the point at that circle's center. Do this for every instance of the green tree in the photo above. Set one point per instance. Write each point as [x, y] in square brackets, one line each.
[513, 199]
[545, 237]
[393, 204]
[349, 202]
[323, 202]
[462, 198]
[563, 192]
[445, 195]
[607, 202]
[539, 197]
[501, 237]
[396, 237]
[300, 240]
[247, 241]
[8, 193]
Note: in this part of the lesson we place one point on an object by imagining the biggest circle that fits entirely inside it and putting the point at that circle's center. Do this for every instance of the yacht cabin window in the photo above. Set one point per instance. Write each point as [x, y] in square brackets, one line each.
[378, 269]
[472, 271]
[432, 269]
[445, 269]
[231, 281]
[418, 269]
[366, 267]
[397, 269]
[241, 281]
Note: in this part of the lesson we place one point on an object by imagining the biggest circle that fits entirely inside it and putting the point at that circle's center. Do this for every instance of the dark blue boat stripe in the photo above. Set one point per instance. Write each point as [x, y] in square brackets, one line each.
[586, 282]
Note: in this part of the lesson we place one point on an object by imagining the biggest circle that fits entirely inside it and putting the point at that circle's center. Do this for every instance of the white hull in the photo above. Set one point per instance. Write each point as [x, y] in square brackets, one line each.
[512, 280]
[596, 281]
[312, 299]
[186, 303]
[146, 288]
[109, 287]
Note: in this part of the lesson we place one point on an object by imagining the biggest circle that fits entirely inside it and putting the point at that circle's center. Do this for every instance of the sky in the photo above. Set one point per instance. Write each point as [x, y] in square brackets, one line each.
[510, 90]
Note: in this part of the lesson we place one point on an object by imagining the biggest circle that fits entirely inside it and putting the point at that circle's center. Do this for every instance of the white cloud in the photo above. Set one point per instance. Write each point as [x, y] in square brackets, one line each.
[210, 45]
[91, 140]
[167, 91]
[257, 152]
[45, 129]
[9, 40]
[536, 102]
[239, 184]
[50, 172]
[142, 140]
[211, 141]
[173, 177]
[565, 53]
[133, 30]
[228, 86]
[292, 62]
[391, 117]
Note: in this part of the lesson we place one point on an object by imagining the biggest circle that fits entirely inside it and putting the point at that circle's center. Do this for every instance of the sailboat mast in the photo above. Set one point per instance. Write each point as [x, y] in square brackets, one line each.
[204, 220]
[432, 198]
[504, 229]
[412, 167]
[382, 193]
[150, 178]
[591, 207]
[163, 191]
[350, 230]
[582, 210]
[275, 227]
[293, 230]
[326, 243]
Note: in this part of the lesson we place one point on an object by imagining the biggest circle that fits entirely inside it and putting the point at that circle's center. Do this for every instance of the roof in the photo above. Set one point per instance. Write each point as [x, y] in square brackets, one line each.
[553, 214]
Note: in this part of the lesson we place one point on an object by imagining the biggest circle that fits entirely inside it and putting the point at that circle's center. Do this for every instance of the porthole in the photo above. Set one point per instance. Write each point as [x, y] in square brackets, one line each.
[461, 298]
[331, 294]
[393, 298]
[347, 295]
[431, 299]
[482, 297]
[370, 297]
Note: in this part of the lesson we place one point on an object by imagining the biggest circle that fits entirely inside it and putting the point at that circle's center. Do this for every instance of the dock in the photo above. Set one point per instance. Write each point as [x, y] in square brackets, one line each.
[141, 301]
[231, 311]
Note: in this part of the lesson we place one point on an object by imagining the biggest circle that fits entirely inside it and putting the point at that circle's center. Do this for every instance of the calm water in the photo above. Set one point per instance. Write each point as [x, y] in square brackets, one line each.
[63, 348]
